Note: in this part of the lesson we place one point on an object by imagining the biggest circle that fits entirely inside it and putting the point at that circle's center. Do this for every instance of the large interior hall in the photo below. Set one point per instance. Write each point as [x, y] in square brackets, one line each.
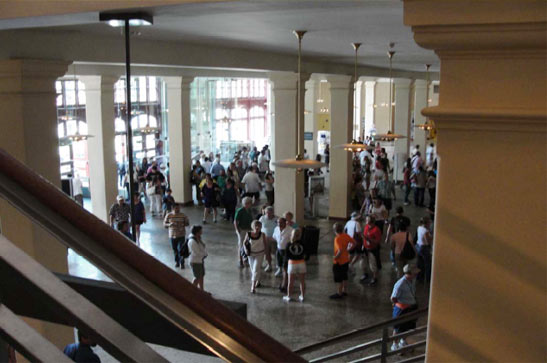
[273, 180]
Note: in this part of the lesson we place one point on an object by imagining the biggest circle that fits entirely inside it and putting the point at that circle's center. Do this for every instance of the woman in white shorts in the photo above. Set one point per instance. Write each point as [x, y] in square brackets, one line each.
[296, 265]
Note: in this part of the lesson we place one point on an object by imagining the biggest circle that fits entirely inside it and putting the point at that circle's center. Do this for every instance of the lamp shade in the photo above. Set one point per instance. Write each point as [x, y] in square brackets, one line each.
[299, 163]
[389, 136]
[354, 146]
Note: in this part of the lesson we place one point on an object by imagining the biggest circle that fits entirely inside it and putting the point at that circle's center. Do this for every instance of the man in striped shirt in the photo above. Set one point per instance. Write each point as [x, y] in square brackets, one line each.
[176, 222]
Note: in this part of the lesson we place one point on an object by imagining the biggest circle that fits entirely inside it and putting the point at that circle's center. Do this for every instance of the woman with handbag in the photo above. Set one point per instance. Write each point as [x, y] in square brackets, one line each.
[255, 246]
[403, 248]
[198, 253]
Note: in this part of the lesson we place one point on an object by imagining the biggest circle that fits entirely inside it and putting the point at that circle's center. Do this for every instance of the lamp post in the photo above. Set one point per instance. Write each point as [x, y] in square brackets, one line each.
[126, 20]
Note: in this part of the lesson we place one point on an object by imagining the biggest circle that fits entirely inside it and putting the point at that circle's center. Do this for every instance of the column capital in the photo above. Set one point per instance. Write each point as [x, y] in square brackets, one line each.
[31, 75]
[283, 80]
[402, 82]
[178, 82]
[96, 83]
[310, 84]
[420, 83]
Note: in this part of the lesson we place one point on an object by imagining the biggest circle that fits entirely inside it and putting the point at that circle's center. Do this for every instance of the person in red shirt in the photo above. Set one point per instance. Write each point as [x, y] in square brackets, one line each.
[342, 243]
[371, 241]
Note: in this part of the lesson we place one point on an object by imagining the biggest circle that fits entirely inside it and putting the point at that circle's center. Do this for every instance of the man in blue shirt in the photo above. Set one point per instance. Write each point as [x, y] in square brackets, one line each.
[403, 298]
[82, 352]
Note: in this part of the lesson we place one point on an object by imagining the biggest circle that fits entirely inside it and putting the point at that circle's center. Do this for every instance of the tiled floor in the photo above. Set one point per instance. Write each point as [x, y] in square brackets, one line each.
[294, 324]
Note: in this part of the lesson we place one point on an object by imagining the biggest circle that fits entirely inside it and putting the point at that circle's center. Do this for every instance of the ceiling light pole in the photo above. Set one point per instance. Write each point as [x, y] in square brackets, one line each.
[126, 20]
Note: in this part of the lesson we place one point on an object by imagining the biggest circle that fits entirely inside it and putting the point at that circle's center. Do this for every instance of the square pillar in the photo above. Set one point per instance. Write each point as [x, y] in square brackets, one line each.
[99, 113]
[180, 143]
[309, 117]
[341, 113]
[369, 106]
[29, 133]
[488, 293]
[289, 185]
[420, 102]
[402, 126]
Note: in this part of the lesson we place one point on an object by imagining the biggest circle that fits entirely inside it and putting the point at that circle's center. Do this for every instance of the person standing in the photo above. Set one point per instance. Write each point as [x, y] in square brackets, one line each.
[420, 180]
[431, 185]
[198, 253]
[140, 216]
[398, 242]
[407, 171]
[372, 236]
[282, 235]
[354, 229]
[210, 192]
[229, 199]
[256, 241]
[217, 167]
[263, 163]
[342, 243]
[424, 248]
[154, 192]
[176, 222]
[269, 187]
[242, 224]
[119, 211]
[81, 351]
[168, 202]
[77, 192]
[296, 264]
[403, 298]
[252, 183]
[269, 222]
[379, 212]
[327, 156]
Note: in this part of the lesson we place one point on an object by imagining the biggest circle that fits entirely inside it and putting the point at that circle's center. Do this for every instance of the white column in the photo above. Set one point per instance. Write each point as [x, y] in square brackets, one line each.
[289, 187]
[341, 113]
[420, 102]
[99, 111]
[309, 117]
[488, 295]
[28, 131]
[180, 162]
[382, 122]
[402, 125]
[369, 106]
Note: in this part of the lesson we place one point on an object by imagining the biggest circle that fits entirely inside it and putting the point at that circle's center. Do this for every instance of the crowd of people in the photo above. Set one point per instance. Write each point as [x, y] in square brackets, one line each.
[266, 242]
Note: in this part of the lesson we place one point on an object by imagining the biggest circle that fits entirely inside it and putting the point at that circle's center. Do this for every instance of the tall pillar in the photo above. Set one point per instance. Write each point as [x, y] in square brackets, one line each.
[369, 106]
[180, 143]
[402, 125]
[99, 113]
[488, 293]
[289, 185]
[309, 117]
[29, 133]
[420, 102]
[341, 113]
[382, 122]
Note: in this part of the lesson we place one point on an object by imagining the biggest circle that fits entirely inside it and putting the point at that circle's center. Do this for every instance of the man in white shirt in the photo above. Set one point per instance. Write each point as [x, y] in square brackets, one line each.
[263, 162]
[269, 224]
[77, 190]
[417, 161]
[429, 154]
[251, 180]
[282, 235]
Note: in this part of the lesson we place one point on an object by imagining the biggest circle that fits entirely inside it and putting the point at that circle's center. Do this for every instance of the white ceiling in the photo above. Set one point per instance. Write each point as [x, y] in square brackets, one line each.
[267, 25]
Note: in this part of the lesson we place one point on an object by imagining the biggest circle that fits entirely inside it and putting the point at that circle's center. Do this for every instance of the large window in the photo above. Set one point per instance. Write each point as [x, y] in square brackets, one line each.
[71, 121]
[228, 113]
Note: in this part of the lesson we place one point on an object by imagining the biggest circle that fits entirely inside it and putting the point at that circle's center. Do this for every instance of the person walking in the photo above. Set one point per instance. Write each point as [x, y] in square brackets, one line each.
[176, 222]
[81, 351]
[252, 183]
[255, 245]
[210, 192]
[424, 248]
[119, 211]
[242, 224]
[342, 244]
[229, 199]
[354, 229]
[140, 216]
[403, 299]
[154, 192]
[296, 266]
[198, 253]
[372, 236]
[282, 235]
[431, 185]
[407, 171]
[269, 222]
[269, 187]
[402, 248]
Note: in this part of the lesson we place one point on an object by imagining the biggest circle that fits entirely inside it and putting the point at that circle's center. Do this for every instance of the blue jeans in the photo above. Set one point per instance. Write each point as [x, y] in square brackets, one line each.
[178, 244]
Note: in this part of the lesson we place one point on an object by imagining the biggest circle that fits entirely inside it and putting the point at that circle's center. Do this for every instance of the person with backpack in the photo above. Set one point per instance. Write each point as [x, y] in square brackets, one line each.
[176, 222]
[403, 248]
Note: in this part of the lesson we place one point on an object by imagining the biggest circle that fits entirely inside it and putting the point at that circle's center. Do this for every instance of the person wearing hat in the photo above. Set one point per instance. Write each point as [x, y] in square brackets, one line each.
[354, 229]
[403, 299]
[119, 211]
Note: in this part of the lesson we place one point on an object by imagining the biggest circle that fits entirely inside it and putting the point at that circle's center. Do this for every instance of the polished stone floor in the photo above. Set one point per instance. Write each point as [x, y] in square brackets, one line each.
[294, 324]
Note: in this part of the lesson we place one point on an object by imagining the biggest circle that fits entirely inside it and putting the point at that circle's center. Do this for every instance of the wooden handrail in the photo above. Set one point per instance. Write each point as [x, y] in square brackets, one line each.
[246, 334]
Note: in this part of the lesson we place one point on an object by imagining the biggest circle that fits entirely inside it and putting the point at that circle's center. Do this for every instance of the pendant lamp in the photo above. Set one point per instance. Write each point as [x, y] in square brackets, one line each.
[390, 135]
[354, 145]
[299, 162]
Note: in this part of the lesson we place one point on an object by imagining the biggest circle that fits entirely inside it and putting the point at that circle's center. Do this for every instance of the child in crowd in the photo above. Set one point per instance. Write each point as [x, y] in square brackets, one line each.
[342, 243]
[229, 200]
[168, 202]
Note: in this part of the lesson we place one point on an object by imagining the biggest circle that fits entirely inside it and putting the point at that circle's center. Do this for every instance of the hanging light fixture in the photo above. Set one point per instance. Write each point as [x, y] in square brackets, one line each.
[354, 145]
[390, 135]
[429, 125]
[299, 162]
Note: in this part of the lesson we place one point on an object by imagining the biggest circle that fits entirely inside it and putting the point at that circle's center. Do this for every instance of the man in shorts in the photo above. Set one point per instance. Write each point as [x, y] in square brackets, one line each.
[342, 243]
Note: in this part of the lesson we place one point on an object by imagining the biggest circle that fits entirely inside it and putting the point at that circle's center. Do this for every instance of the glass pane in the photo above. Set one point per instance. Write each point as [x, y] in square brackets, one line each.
[142, 89]
[245, 88]
[81, 98]
[82, 126]
[119, 125]
[58, 87]
[59, 100]
[239, 130]
[71, 127]
[66, 168]
[137, 143]
[119, 91]
[70, 97]
[133, 90]
[151, 153]
[64, 153]
[143, 120]
[150, 141]
[152, 89]
[79, 149]
[61, 130]
[139, 155]
[152, 121]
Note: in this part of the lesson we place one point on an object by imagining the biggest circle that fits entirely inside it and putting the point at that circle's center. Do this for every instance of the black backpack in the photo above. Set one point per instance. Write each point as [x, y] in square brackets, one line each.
[408, 252]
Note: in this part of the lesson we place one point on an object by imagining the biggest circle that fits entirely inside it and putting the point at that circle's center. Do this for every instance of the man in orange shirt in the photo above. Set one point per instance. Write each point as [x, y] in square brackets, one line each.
[342, 243]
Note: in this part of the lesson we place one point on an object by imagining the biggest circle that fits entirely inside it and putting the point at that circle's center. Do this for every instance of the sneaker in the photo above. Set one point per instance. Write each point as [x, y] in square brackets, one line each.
[278, 272]
[372, 282]
[204, 221]
[177, 264]
[286, 298]
[301, 298]
[268, 268]
[394, 346]
[335, 296]
[364, 277]
[182, 266]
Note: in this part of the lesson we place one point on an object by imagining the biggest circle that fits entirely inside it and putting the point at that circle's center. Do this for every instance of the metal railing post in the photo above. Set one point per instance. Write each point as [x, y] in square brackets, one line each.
[384, 345]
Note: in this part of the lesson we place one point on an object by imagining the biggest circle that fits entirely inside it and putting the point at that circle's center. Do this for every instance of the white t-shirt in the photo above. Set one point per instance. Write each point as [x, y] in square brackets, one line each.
[421, 236]
[268, 225]
[263, 163]
[353, 226]
[252, 182]
[378, 213]
[282, 237]
[76, 187]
